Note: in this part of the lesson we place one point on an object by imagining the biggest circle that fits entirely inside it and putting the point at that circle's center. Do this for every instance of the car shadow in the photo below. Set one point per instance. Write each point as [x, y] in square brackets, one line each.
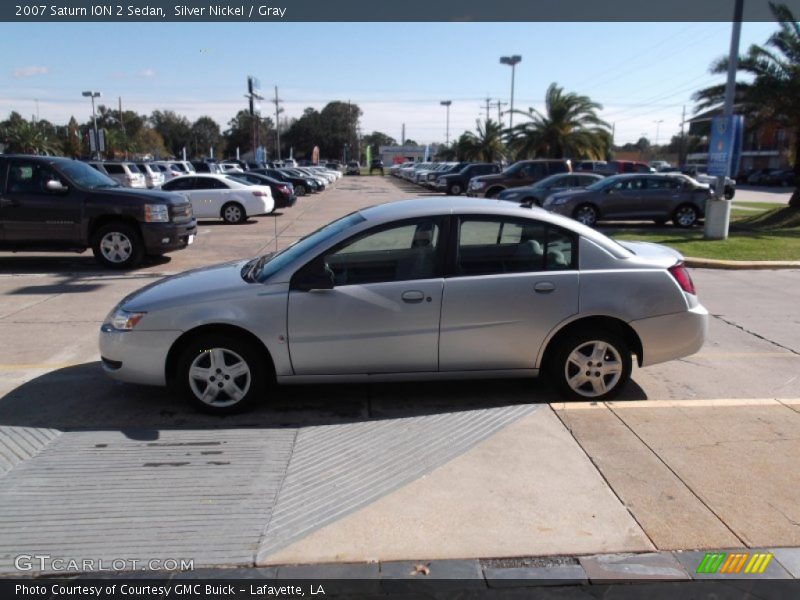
[82, 397]
[73, 266]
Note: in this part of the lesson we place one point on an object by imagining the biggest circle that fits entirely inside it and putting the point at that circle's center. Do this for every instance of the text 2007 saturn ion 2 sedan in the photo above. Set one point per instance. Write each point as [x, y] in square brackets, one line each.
[417, 289]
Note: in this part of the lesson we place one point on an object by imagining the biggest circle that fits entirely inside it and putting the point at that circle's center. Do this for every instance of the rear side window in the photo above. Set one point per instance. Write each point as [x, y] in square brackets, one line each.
[558, 167]
[209, 183]
[112, 169]
[133, 168]
[179, 184]
[498, 245]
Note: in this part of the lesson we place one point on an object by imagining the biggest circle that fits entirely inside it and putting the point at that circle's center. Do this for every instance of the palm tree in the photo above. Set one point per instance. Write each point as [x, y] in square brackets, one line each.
[568, 128]
[26, 137]
[485, 145]
[774, 91]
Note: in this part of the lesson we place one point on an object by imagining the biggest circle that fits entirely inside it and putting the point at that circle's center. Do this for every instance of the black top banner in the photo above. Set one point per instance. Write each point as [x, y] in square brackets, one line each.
[383, 10]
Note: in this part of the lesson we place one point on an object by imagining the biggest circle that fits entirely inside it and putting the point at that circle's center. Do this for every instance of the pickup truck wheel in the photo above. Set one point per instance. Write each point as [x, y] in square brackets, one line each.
[118, 246]
[455, 190]
[233, 213]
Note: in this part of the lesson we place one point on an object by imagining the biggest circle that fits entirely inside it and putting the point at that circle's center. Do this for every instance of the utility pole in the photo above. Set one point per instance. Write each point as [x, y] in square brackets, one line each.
[122, 126]
[718, 210]
[499, 106]
[488, 103]
[277, 124]
[681, 159]
[403, 135]
[447, 104]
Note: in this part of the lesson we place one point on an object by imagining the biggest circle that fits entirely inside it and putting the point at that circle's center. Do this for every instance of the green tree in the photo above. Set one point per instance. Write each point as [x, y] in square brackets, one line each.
[376, 139]
[205, 134]
[240, 132]
[173, 128]
[568, 128]
[305, 133]
[773, 93]
[27, 137]
[149, 143]
[485, 144]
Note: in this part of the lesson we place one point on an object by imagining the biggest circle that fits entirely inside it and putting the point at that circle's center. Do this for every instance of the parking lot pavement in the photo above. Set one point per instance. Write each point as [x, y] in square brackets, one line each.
[459, 469]
[764, 194]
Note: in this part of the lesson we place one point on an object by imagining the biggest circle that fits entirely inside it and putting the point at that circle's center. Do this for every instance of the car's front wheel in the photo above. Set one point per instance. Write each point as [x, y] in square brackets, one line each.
[220, 374]
[118, 246]
[586, 214]
[685, 216]
[592, 364]
[455, 190]
[233, 213]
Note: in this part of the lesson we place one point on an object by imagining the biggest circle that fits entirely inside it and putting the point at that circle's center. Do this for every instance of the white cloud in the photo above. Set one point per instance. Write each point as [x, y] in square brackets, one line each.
[148, 73]
[30, 71]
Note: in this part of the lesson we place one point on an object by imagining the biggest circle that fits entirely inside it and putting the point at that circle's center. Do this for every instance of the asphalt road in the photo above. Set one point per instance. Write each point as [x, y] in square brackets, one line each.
[93, 467]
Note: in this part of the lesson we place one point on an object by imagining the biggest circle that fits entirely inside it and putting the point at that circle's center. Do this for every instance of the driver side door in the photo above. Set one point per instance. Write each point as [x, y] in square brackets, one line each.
[382, 313]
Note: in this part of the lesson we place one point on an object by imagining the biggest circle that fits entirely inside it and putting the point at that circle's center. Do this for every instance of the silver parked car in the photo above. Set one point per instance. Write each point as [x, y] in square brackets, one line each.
[417, 289]
[635, 197]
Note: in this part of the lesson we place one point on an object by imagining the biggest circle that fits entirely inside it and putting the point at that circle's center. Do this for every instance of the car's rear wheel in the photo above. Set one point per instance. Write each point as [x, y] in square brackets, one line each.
[590, 365]
[685, 216]
[220, 374]
[233, 213]
[455, 190]
[586, 214]
[118, 246]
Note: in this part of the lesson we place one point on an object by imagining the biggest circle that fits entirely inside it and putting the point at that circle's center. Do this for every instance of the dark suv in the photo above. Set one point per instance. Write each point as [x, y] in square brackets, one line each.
[522, 173]
[454, 184]
[49, 203]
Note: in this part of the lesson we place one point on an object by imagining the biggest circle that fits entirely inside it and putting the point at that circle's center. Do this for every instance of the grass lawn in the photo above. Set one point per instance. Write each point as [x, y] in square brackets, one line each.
[767, 235]
[748, 209]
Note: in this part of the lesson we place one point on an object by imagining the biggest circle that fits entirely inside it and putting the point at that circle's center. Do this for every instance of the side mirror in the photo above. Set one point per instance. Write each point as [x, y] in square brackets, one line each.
[55, 186]
[316, 277]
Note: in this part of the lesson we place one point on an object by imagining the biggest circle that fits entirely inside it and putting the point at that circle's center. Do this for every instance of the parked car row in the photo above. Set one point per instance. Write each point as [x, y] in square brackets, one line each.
[772, 177]
[588, 194]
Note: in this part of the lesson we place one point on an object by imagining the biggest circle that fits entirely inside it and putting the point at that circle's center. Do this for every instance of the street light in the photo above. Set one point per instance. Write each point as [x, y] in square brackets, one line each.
[512, 61]
[94, 95]
[447, 103]
[658, 124]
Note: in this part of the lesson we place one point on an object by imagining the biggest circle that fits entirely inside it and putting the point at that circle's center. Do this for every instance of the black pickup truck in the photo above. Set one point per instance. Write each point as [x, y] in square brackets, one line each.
[50, 203]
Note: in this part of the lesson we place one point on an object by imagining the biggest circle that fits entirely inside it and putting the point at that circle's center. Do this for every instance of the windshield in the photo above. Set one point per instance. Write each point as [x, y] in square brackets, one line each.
[262, 268]
[85, 176]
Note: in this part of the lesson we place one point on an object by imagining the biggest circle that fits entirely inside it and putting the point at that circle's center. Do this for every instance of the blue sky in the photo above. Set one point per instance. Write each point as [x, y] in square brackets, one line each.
[396, 72]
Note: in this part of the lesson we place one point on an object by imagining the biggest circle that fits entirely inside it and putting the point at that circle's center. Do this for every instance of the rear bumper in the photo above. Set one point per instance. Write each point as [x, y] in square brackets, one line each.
[672, 336]
[164, 237]
[282, 201]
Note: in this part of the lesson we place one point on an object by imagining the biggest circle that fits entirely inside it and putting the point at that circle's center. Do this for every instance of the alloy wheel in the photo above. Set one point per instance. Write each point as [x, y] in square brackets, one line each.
[219, 377]
[116, 247]
[593, 368]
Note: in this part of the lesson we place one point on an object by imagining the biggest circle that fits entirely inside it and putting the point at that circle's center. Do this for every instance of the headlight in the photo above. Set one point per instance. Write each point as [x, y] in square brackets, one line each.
[156, 213]
[476, 185]
[122, 320]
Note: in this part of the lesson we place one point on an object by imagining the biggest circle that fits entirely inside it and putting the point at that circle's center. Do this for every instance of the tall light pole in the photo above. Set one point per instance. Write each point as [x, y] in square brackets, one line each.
[655, 146]
[94, 95]
[512, 61]
[447, 103]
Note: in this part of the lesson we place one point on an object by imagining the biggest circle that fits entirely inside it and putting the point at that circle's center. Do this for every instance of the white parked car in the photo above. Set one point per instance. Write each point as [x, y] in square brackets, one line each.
[222, 197]
[153, 176]
[231, 168]
[124, 173]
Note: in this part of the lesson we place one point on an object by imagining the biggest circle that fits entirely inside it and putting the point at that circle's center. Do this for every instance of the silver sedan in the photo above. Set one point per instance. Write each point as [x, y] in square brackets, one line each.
[418, 289]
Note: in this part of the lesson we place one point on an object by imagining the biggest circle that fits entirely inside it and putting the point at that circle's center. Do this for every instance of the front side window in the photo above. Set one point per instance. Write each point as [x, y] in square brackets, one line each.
[399, 252]
[30, 178]
[497, 245]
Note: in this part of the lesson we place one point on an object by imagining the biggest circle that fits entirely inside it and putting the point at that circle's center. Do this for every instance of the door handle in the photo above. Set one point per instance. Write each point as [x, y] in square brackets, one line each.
[544, 287]
[413, 296]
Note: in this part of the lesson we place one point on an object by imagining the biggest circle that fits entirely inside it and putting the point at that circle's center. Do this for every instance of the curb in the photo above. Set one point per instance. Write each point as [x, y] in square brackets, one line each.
[710, 263]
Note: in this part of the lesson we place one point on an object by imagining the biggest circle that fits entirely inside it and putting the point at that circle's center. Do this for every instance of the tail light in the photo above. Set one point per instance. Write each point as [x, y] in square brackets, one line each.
[260, 193]
[681, 275]
[283, 190]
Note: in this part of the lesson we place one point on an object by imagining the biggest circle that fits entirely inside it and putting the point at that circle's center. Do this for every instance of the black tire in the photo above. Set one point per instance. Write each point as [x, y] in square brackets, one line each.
[204, 352]
[605, 378]
[586, 214]
[729, 193]
[493, 193]
[233, 213]
[454, 189]
[118, 245]
[685, 216]
[300, 190]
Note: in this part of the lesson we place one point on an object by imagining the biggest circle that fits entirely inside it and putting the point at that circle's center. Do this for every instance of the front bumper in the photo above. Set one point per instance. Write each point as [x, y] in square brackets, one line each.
[164, 237]
[136, 356]
[672, 336]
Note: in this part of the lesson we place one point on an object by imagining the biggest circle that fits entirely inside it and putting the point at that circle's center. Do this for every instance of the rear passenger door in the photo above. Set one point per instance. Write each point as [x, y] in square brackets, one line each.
[659, 195]
[208, 196]
[512, 281]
